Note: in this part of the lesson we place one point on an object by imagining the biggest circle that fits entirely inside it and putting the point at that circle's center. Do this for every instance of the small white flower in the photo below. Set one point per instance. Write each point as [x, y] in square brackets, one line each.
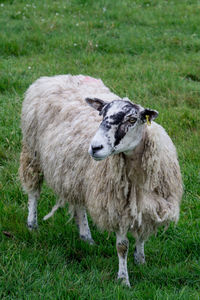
[2, 5]
[77, 24]
[57, 14]
[96, 45]
[104, 9]
[29, 67]
[75, 44]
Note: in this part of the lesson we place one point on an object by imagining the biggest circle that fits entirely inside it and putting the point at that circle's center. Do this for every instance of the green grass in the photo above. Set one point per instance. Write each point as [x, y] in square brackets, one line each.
[148, 50]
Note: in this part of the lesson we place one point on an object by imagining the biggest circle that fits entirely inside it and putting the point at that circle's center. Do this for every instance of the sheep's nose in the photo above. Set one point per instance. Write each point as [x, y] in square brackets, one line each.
[96, 148]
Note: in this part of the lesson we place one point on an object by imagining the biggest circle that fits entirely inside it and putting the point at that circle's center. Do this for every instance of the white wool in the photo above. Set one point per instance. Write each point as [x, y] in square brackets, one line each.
[139, 191]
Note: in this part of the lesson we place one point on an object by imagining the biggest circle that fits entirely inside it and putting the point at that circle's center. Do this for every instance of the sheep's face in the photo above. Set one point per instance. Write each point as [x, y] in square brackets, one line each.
[121, 129]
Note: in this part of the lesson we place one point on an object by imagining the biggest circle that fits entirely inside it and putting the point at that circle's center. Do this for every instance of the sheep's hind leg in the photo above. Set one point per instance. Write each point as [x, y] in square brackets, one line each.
[139, 256]
[32, 210]
[82, 223]
[122, 245]
[31, 179]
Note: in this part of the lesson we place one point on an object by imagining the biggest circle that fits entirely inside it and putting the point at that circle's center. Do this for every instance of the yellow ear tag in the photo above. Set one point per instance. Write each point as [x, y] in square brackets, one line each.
[148, 122]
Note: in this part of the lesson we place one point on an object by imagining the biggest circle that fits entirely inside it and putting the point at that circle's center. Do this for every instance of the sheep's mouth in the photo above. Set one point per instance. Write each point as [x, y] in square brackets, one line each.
[97, 158]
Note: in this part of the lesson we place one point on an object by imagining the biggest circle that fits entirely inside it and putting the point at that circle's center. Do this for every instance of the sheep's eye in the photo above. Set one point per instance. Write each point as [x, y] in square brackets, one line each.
[132, 120]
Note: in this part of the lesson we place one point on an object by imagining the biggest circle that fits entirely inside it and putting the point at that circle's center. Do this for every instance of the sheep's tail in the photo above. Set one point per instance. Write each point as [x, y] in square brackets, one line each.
[52, 212]
[71, 211]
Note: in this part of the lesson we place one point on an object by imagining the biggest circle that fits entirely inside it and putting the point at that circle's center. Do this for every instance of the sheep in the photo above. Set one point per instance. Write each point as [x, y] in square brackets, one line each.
[128, 181]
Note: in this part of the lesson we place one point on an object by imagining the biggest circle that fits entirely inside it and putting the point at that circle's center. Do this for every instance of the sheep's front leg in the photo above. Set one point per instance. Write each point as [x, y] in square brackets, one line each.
[82, 223]
[32, 210]
[122, 245]
[139, 256]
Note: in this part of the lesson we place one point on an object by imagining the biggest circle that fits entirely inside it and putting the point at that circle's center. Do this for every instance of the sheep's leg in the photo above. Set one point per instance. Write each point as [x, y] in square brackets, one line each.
[31, 179]
[122, 245]
[139, 256]
[82, 223]
[32, 210]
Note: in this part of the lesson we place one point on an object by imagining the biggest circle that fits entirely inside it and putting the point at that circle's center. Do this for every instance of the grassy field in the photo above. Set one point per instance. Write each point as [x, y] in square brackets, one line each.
[148, 50]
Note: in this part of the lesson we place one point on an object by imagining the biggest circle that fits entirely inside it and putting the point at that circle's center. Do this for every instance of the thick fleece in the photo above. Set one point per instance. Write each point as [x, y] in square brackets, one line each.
[137, 192]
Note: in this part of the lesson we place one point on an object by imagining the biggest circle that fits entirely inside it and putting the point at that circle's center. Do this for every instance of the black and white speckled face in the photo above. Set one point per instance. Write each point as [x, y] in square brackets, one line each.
[121, 129]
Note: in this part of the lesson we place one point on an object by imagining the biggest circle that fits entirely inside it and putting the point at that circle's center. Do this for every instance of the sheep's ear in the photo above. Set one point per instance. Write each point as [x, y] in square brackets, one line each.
[147, 115]
[96, 103]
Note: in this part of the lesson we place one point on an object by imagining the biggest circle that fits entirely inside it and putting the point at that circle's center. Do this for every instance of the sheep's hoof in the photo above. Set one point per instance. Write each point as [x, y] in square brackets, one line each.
[86, 239]
[139, 258]
[32, 226]
[124, 281]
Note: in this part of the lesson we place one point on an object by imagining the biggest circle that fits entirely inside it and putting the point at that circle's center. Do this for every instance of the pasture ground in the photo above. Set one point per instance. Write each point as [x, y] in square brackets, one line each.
[148, 50]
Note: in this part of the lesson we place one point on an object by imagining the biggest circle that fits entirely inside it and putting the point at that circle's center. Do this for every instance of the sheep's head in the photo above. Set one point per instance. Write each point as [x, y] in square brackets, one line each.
[121, 129]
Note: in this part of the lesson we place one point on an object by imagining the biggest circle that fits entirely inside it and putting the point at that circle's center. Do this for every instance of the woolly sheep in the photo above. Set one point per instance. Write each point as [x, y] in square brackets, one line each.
[129, 181]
